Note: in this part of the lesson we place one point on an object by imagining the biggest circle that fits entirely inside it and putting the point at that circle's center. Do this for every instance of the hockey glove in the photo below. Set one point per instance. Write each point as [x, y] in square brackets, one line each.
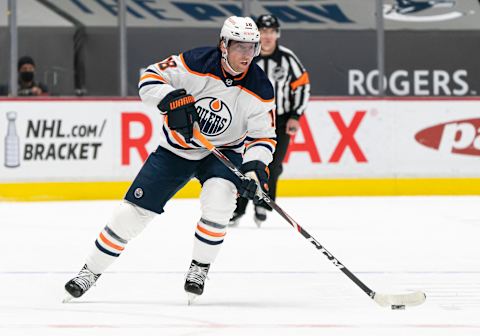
[181, 112]
[256, 183]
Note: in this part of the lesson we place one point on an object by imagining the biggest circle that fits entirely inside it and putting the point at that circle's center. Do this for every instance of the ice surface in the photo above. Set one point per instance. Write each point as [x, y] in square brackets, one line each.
[267, 281]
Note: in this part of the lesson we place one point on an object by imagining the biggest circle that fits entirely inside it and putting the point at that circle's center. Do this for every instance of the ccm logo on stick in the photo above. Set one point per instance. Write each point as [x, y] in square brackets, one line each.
[457, 137]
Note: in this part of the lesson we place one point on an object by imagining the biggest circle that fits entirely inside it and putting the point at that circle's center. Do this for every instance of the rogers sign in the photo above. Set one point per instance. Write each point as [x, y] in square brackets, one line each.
[457, 137]
[411, 83]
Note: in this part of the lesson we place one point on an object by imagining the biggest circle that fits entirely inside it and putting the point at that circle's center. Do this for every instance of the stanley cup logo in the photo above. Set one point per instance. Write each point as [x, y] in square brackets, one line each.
[12, 142]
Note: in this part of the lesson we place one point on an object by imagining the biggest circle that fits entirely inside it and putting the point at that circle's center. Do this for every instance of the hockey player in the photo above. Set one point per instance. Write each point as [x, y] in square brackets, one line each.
[219, 90]
[292, 91]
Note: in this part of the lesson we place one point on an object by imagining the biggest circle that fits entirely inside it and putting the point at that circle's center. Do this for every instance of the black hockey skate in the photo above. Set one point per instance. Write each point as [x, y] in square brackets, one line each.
[80, 284]
[195, 280]
[260, 215]
[235, 220]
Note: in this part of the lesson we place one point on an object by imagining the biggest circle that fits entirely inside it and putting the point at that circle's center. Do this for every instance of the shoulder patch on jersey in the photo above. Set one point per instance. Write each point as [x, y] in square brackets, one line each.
[202, 60]
[258, 83]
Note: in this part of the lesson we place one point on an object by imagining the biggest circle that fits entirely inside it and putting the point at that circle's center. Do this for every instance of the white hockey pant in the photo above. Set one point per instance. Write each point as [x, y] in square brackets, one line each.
[218, 201]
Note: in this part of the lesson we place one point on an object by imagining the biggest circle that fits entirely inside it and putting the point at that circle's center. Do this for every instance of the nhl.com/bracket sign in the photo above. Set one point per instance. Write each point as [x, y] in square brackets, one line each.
[51, 139]
[456, 137]
[214, 114]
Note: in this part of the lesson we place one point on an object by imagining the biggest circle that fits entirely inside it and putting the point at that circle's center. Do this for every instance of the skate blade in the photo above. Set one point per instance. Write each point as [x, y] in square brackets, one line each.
[67, 298]
[258, 222]
[234, 223]
[191, 298]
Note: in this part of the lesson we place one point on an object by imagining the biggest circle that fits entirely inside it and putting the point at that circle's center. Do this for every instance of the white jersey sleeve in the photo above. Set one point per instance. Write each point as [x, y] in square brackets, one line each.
[159, 79]
[260, 142]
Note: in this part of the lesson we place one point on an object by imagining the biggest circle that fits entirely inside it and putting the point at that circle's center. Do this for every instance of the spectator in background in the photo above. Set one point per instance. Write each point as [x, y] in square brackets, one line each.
[292, 91]
[27, 86]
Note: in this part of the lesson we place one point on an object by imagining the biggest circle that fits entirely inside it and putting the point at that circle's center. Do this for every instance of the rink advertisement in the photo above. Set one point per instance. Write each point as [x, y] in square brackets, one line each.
[422, 138]
[106, 141]
[63, 140]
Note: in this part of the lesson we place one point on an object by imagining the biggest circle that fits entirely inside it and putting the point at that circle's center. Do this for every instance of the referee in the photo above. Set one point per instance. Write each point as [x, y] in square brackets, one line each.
[292, 91]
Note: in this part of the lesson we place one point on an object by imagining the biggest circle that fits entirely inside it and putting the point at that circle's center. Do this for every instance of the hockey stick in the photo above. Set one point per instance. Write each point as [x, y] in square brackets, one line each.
[395, 301]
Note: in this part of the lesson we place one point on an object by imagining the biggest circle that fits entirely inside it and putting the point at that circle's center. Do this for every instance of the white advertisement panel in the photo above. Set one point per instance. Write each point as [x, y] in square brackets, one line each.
[71, 140]
[387, 138]
[107, 140]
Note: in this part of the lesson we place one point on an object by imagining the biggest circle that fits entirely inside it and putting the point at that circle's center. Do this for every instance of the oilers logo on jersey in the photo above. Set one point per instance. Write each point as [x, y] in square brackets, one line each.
[215, 116]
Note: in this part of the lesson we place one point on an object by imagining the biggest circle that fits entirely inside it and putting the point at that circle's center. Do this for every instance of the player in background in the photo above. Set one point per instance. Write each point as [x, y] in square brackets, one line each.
[230, 99]
[292, 91]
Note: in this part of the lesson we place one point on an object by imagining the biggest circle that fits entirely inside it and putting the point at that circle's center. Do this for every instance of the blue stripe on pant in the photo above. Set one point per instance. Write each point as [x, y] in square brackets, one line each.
[209, 242]
[97, 244]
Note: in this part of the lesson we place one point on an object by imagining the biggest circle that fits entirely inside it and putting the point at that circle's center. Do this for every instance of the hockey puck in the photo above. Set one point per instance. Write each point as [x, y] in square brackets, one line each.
[398, 307]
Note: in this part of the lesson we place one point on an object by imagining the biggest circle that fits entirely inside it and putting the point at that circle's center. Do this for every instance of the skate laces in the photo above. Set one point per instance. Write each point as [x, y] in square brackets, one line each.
[197, 274]
[85, 278]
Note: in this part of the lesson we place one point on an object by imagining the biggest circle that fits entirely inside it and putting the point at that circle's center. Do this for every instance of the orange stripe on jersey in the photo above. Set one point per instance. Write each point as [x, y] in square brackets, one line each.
[200, 137]
[244, 74]
[238, 140]
[109, 243]
[223, 72]
[303, 80]
[237, 79]
[150, 75]
[197, 73]
[218, 78]
[270, 141]
[255, 95]
[210, 233]
[177, 137]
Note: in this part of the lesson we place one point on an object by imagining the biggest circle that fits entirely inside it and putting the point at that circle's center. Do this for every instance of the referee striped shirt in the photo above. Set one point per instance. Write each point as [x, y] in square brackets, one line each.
[289, 79]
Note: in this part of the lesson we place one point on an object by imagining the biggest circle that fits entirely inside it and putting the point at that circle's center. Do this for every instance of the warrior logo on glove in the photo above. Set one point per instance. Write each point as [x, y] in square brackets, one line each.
[181, 112]
[186, 100]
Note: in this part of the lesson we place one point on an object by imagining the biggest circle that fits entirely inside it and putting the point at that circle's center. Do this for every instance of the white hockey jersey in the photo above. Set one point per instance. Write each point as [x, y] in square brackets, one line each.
[235, 113]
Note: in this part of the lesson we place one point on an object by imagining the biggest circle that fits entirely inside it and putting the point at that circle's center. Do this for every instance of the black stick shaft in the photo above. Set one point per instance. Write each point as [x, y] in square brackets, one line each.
[289, 219]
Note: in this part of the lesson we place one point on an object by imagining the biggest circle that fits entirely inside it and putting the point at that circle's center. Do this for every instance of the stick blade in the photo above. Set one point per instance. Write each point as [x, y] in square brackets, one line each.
[407, 300]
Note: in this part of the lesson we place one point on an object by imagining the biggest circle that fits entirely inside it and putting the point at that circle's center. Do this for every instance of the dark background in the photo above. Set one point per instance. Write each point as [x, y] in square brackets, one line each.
[328, 55]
